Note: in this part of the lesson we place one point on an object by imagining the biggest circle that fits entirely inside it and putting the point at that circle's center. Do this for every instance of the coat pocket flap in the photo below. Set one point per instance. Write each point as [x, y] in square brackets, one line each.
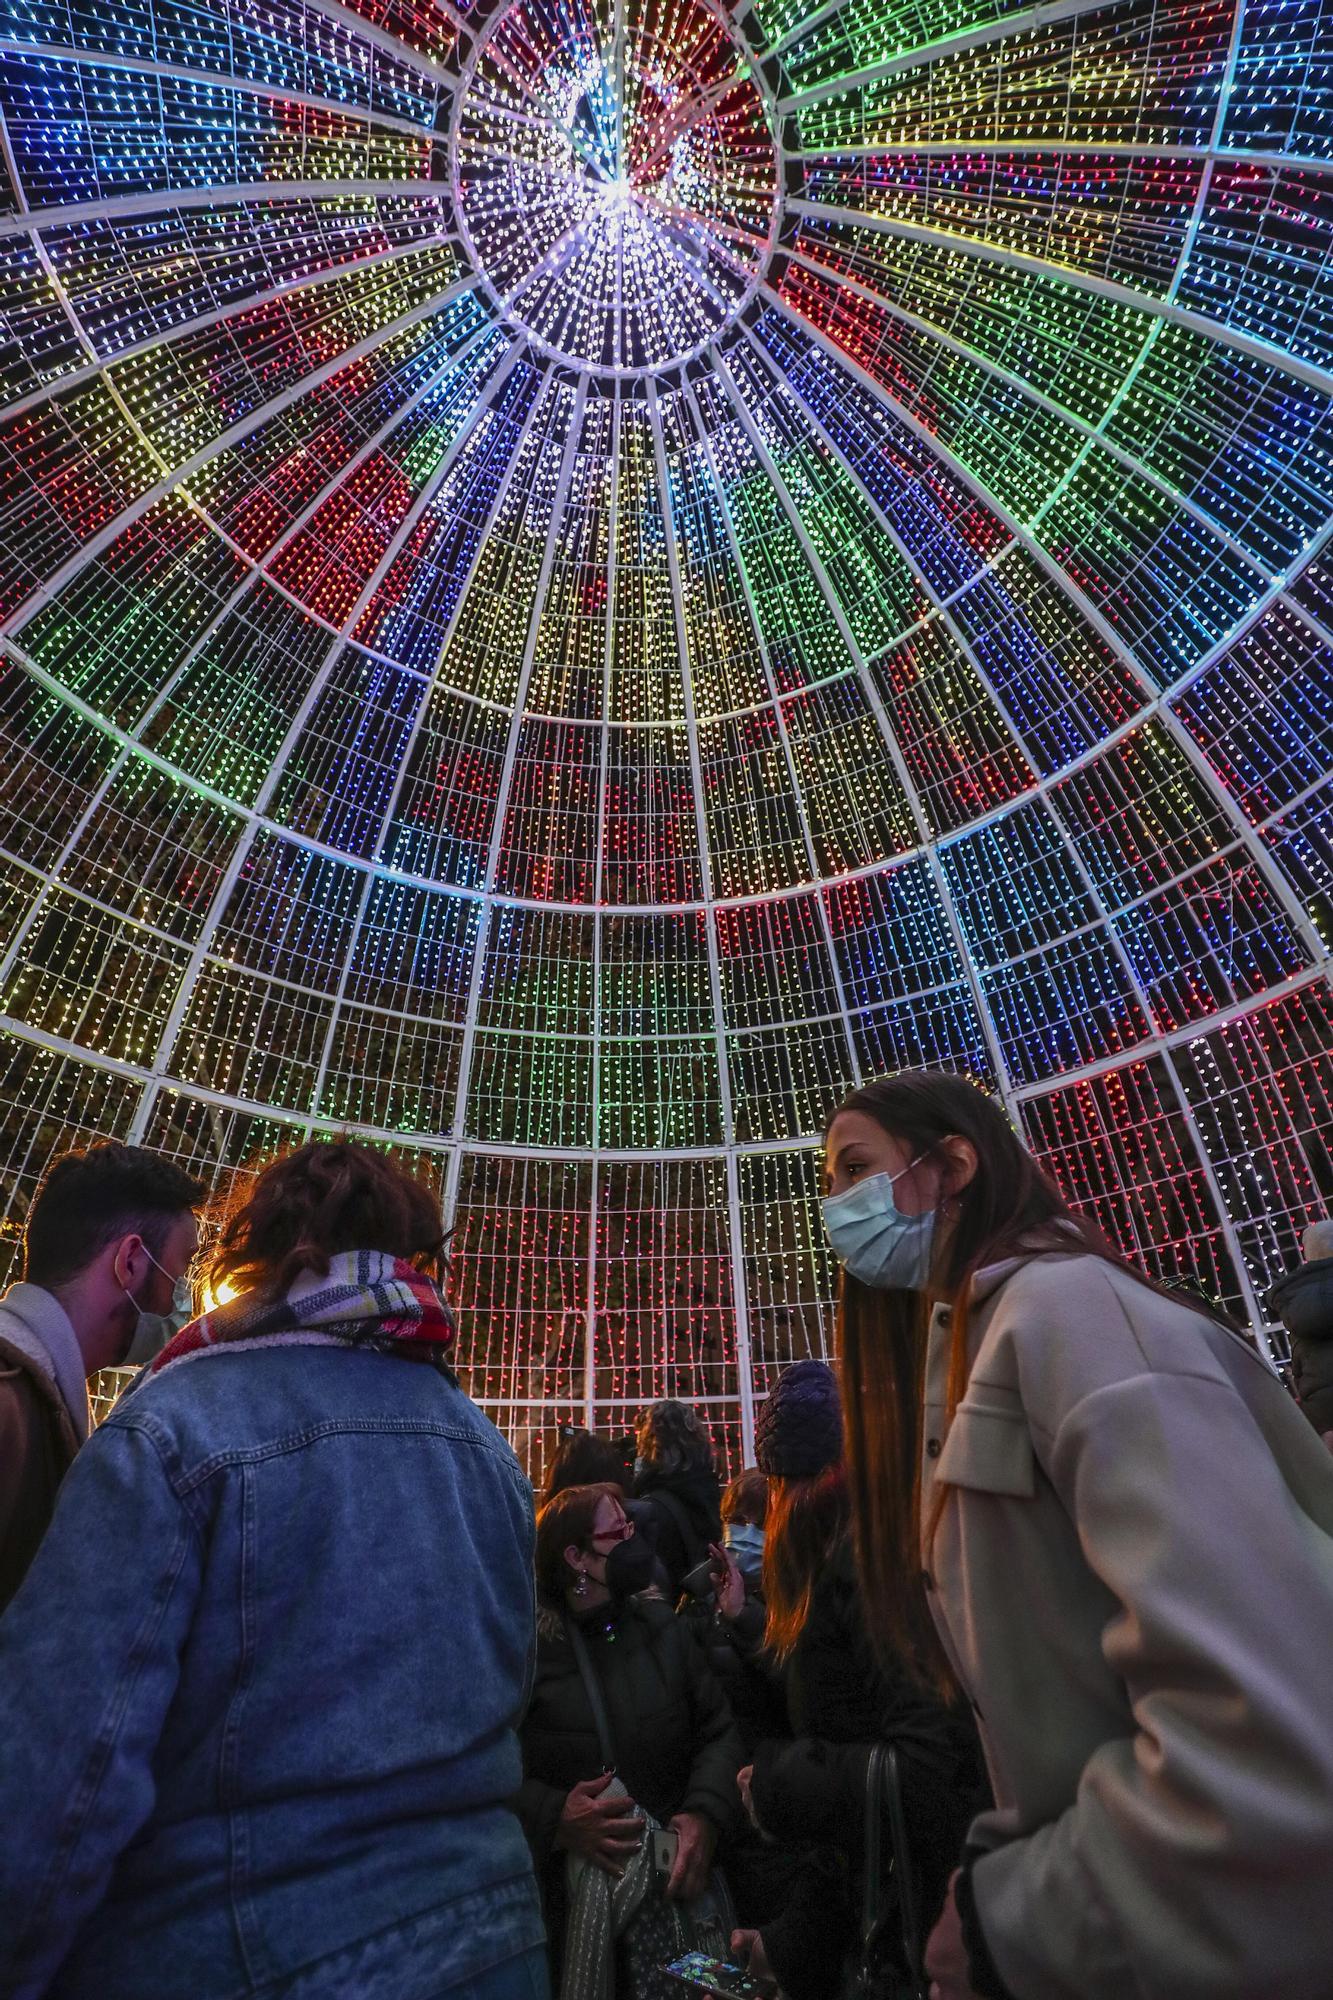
[989, 1450]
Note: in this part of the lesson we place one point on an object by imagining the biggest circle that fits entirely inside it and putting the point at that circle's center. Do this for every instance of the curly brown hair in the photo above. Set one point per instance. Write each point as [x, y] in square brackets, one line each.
[327, 1197]
[672, 1438]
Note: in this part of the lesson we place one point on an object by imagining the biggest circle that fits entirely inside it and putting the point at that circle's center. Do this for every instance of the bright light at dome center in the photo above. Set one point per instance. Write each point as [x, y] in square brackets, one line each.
[627, 210]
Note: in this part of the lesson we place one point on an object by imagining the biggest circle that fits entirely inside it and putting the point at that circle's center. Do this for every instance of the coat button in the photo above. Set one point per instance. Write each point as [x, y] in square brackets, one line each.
[933, 1447]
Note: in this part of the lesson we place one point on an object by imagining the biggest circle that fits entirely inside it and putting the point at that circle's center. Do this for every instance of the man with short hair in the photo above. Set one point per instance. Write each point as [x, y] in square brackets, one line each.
[109, 1238]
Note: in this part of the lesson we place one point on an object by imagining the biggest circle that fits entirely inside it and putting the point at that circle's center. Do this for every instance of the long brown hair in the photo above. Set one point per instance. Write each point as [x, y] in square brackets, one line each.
[1010, 1207]
[321, 1199]
[807, 1518]
[565, 1521]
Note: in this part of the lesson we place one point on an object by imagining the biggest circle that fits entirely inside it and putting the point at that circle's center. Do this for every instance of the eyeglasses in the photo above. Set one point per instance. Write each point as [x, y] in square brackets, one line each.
[620, 1534]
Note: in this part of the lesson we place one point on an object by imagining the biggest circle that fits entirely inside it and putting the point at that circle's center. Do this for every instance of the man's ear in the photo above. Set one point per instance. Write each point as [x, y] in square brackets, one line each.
[123, 1255]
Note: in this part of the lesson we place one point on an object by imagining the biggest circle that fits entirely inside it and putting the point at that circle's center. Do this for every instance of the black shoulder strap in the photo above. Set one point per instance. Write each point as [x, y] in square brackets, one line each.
[872, 1882]
[873, 1865]
[692, 1541]
[592, 1687]
[909, 1914]
[884, 1792]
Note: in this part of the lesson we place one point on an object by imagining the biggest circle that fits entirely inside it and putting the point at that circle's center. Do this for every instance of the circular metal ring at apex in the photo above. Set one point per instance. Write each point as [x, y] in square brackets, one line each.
[619, 188]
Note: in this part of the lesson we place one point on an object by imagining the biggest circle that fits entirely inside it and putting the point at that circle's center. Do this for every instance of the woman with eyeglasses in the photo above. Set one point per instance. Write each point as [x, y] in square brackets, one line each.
[1091, 1506]
[664, 1743]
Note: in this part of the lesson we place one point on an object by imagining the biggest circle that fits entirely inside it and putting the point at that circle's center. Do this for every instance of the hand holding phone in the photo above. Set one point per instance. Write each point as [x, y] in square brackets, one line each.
[747, 1947]
[713, 1975]
[728, 1583]
[698, 1582]
[694, 1857]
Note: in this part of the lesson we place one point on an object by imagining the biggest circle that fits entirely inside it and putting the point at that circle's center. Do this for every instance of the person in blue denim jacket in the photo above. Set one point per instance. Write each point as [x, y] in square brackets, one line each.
[259, 1690]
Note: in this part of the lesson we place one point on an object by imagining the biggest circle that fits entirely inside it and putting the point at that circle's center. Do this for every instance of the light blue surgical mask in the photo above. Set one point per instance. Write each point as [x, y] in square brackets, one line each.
[874, 1240]
[745, 1543]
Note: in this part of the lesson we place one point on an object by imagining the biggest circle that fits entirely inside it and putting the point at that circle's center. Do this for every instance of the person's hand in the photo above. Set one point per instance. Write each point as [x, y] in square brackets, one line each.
[744, 1781]
[727, 1581]
[694, 1858]
[600, 1828]
[946, 1955]
[747, 1948]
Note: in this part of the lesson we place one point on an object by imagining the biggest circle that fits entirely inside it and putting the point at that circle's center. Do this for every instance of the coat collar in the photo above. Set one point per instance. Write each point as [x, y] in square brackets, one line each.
[1312, 1279]
[991, 1276]
[37, 1327]
[985, 1284]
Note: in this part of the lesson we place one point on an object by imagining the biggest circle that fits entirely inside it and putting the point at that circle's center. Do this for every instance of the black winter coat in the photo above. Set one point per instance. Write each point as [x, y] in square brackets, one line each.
[686, 1517]
[840, 1703]
[1304, 1302]
[677, 1748]
[733, 1651]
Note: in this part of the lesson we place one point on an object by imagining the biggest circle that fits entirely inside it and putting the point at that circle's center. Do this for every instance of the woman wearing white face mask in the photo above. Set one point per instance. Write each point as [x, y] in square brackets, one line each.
[1094, 1507]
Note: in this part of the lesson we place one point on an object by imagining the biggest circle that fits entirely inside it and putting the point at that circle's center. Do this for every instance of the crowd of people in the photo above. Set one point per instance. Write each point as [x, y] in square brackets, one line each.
[1001, 1675]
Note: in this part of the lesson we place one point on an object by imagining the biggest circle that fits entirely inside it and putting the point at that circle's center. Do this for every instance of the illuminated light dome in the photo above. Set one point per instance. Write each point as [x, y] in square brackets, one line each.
[617, 186]
[574, 580]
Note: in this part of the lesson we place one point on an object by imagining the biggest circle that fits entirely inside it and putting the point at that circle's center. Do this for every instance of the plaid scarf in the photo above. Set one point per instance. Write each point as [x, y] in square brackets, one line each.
[368, 1299]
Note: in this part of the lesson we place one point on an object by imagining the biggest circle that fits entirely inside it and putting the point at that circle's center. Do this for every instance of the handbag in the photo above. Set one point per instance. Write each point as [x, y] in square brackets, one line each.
[660, 1931]
[879, 1972]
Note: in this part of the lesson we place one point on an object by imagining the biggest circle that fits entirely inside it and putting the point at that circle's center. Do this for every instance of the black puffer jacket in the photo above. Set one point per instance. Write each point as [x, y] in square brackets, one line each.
[687, 1516]
[677, 1748]
[734, 1652]
[840, 1702]
[1303, 1300]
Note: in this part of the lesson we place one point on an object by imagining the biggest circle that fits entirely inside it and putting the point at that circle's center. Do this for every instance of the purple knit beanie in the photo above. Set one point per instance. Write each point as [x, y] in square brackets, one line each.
[798, 1431]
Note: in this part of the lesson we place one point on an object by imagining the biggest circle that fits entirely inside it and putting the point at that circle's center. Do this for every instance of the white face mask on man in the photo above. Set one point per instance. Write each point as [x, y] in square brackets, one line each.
[872, 1238]
[152, 1331]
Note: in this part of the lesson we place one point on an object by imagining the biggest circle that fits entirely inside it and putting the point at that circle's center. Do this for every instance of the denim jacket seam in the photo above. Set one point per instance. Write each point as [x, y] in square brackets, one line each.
[159, 1436]
[83, 1798]
[219, 1461]
[248, 1939]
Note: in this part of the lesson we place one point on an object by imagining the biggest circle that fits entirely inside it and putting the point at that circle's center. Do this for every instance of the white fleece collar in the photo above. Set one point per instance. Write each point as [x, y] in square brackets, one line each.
[38, 1326]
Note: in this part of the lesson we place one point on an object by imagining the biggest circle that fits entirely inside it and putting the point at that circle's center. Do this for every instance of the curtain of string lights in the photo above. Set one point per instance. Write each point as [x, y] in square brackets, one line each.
[577, 575]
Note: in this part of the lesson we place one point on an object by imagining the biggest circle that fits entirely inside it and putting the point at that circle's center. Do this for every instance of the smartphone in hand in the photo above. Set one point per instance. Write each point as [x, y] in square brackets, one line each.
[666, 1846]
[713, 1975]
[698, 1582]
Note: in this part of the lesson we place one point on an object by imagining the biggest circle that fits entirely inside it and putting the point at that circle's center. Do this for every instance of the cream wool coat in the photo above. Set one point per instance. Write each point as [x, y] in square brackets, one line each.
[1133, 1575]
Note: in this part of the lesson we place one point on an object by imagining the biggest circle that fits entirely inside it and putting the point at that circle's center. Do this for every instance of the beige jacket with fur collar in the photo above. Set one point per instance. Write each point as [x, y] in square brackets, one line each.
[1133, 1574]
